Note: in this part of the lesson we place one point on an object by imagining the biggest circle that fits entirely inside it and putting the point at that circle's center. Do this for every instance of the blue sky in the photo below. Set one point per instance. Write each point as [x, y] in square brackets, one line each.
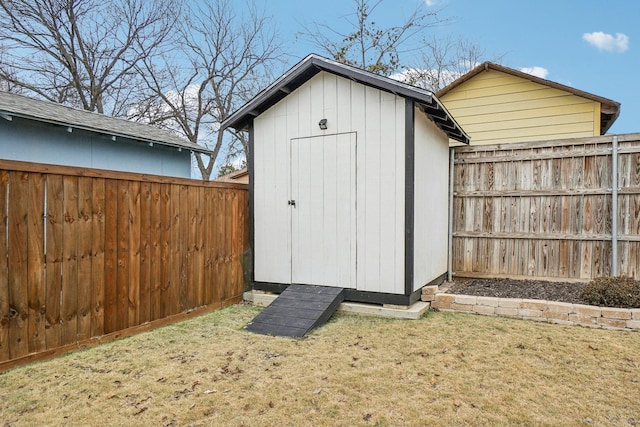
[591, 45]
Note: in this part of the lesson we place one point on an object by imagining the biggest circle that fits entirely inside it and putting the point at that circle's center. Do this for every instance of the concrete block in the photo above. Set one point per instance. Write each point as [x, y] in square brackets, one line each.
[484, 309]
[633, 324]
[427, 297]
[612, 323]
[440, 305]
[559, 307]
[635, 313]
[528, 312]
[583, 320]
[466, 299]
[510, 302]
[430, 290]
[616, 313]
[556, 316]
[465, 308]
[507, 311]
[488, 301]
[413, 312]
[587, 310]
[445, 298]
[533, 304]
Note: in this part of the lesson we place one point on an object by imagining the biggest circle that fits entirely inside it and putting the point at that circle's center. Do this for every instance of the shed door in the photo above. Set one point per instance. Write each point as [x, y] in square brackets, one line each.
[323, 218]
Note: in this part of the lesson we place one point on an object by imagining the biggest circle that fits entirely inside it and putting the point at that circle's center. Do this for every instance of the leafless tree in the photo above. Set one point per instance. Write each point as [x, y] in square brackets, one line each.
[82, 53]
[443, 60]
[224, 54]
[369, 46]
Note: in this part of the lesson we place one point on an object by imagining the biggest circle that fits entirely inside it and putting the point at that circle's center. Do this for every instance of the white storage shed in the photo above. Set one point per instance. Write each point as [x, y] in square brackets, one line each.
[348, 178]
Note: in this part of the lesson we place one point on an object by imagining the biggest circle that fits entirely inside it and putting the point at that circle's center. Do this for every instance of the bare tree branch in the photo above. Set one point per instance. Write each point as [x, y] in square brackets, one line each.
[82, 52]
[221, 57]
[369, 46]
[443, 60]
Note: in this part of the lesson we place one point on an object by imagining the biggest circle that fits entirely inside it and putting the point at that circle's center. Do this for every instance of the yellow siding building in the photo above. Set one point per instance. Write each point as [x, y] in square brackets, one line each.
[497, 105]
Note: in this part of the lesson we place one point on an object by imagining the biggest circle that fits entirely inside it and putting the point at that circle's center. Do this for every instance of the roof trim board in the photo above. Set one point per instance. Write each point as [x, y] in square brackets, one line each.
[16, 105]
[609, 109]
[313, 64]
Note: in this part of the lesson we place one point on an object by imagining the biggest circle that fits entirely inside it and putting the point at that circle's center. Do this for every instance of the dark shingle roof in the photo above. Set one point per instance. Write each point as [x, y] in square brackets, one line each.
[12, 104]
[313, 64]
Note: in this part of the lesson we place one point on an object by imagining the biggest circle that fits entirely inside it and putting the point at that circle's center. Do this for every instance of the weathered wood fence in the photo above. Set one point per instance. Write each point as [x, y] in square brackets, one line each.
[544, 210]
[87, 254]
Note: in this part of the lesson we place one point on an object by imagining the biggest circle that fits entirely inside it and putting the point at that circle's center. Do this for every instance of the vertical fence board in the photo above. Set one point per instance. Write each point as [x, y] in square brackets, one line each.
[133, 303]
[144, 311]
[193, 288]
[18, 273]
[228, 245]
[199, 242]
[85, 255]
[184, 247]
[69, 310]
[98, 231]
[122, 287]
[4, 273]
[111, 256]
[175, 262]
[156, 253]
[37, 292]
[207, 250]
[53, 259]
[165, 245]
[219, 242]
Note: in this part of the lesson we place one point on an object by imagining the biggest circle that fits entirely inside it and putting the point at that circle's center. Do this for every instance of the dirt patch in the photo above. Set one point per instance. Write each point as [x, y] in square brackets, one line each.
[529, 289]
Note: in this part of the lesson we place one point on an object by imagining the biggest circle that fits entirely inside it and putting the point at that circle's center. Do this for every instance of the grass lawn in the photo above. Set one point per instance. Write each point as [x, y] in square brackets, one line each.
[445, 369]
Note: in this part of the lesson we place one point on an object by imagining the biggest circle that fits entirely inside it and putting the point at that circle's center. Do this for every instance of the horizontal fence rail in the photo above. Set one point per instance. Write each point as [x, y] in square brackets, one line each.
[544, 210]
[84, 253]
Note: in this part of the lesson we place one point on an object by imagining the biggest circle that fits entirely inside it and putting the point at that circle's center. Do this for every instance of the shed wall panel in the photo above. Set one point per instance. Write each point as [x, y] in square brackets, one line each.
[272, 222]
[430, 201]
[377, 118]
[495, 107]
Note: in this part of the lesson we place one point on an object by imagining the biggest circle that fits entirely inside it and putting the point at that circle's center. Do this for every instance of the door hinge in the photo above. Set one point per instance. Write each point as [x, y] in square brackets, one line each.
[291, 203]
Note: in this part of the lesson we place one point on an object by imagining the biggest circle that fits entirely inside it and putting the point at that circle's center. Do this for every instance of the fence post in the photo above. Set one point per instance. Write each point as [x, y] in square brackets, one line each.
[450, 237]
[614, 206]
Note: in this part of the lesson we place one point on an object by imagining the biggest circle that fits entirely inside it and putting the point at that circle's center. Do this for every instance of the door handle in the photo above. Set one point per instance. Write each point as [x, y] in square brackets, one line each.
[291, 203]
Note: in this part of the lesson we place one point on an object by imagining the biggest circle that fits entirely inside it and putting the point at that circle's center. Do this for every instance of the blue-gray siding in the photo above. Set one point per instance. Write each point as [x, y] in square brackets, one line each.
[29, 141]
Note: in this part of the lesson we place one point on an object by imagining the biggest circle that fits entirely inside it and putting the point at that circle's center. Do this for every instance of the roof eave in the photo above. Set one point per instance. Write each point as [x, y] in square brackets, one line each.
[109, 133]
[313, 64]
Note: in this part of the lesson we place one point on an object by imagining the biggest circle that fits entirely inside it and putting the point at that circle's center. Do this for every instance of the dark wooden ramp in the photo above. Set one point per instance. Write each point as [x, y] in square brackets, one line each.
[297, 310]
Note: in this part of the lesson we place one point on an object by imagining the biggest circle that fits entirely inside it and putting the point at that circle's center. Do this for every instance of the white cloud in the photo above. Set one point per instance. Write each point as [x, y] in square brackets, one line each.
[430, 3]
[536, 71]
[607, 42]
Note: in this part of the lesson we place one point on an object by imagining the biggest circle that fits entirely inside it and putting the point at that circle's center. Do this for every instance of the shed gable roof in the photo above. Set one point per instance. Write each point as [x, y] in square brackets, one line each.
[313, 64]
[609, 109]
[12, 104]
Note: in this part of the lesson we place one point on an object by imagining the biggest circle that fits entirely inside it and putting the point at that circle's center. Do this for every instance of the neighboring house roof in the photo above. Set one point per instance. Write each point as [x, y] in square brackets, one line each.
[12, 104]
[235, 176]
[313, 64]
[609, 111]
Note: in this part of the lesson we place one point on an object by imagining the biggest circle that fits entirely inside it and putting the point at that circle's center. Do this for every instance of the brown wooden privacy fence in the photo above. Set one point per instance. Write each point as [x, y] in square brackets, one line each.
[84, 253]
[544, 210]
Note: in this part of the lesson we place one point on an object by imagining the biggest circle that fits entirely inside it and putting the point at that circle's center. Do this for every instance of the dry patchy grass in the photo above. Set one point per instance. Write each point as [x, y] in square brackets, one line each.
[445, 369]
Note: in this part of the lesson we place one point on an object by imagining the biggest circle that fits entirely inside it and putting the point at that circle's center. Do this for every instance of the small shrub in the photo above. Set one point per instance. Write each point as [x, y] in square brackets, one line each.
[623, 292]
